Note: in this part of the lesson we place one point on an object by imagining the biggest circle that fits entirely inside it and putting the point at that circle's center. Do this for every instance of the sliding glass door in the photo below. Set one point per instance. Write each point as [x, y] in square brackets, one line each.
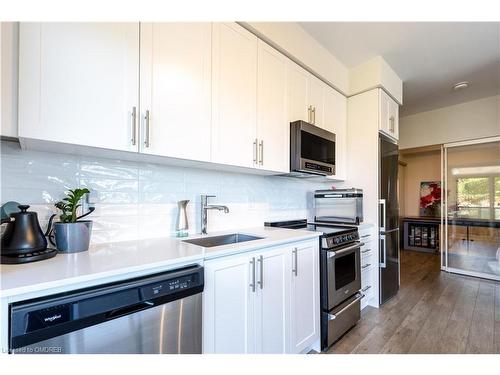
[471, 215]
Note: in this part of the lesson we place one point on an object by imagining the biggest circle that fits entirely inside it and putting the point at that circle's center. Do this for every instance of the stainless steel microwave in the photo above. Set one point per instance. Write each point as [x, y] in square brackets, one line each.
[312, 150]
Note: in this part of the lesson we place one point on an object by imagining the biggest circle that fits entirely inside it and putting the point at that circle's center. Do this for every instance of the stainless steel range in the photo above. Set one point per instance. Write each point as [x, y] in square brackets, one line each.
[340, 276]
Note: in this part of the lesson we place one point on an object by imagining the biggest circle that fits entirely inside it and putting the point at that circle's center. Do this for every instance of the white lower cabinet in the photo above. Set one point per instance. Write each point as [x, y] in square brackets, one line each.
[304, 297]
[228, 305]
[265, 301]
[271, 301]
[369, 267]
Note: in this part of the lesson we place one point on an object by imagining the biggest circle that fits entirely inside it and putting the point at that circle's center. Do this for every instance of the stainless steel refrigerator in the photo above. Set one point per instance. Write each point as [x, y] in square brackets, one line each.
[389, 219]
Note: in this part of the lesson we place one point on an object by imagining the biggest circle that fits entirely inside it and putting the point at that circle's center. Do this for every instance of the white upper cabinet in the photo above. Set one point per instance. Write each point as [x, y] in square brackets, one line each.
[335, 121]
[210, 92]
[316, 99]
[234, 95]
[79, 83]
[298, 107]
[273, 129]
[176, 89]
[388, 115]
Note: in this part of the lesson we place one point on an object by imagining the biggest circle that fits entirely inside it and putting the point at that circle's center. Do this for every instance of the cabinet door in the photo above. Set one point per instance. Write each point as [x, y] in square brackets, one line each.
[79, 83]
[335, 121]
[273, 130]
[234, 93]
[304, 296]
[315, 97]
[176, 89]
[272, 301]
[388, 115]
[394, 118]
[228, 306]
[298, 106]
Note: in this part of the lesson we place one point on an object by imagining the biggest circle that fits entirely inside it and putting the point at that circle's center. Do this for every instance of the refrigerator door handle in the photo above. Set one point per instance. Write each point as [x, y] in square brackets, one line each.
[383, 252]
[382, 203]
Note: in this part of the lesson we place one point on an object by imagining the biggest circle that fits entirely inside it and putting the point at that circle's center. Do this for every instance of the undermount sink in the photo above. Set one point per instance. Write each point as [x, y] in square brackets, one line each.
[226, 239]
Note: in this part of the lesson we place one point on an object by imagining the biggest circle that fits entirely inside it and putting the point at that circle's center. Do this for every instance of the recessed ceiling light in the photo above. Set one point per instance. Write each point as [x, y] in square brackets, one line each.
[460, 86]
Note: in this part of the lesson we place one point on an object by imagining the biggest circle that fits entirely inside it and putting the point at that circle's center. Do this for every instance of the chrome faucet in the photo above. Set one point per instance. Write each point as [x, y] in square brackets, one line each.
[205, 207]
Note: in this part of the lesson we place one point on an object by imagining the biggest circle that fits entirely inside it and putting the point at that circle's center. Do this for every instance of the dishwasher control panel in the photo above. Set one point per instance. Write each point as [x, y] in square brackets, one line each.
[170, 286]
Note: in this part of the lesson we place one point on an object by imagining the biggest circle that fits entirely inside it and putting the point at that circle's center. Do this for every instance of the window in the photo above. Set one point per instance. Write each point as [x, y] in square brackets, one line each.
[479, 197]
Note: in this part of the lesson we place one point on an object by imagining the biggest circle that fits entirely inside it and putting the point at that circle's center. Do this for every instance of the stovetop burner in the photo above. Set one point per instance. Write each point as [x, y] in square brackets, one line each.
[333, 235]
[29, 257]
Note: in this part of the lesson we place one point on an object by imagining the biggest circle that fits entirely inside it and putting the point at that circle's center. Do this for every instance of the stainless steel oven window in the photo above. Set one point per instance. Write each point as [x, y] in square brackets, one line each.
[345, 270]
[335, 263]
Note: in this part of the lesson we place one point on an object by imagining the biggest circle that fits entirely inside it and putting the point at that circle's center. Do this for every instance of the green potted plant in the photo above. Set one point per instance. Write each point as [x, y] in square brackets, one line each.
[70, 234]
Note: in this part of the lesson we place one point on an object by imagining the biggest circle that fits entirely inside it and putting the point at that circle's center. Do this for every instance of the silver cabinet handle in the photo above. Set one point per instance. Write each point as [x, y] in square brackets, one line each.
[391, 122]
[314, 115]
[134, 126]
[295, 268]
[366, 266]
[309, 114]
[261, 281]
[365, 235]
[252, 284]
[261, 149]
[335, 316]
[366, 288]
[147, 125]
[255, 151]
[366, 251]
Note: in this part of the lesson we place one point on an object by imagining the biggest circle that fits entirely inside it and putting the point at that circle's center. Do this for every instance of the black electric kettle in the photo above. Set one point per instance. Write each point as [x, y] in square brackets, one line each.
[23, 234]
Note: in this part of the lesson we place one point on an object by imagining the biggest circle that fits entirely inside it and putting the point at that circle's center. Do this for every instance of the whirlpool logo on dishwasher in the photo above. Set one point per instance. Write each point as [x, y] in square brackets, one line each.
[52, 318]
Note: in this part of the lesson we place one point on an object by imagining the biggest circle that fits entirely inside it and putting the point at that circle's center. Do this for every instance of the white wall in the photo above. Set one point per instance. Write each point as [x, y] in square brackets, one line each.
[476, 119]
[375, 73]
[423, 166]
[139, 200]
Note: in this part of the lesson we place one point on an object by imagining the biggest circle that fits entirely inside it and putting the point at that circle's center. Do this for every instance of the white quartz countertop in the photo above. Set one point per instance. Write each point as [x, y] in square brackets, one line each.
[119, 260]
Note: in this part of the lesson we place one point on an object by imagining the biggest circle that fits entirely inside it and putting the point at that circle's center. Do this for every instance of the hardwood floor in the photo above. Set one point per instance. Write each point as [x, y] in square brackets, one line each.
[434, 312]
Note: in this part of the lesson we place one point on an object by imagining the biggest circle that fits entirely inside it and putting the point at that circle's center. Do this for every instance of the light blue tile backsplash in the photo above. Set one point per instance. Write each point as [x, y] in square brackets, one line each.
[139, 200]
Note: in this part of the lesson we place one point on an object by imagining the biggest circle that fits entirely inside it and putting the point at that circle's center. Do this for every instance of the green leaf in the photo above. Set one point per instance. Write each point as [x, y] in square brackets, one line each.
[69, 205]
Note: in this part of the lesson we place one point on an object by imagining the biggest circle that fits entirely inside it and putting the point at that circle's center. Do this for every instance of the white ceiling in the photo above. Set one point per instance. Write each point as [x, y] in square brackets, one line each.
[428, 56]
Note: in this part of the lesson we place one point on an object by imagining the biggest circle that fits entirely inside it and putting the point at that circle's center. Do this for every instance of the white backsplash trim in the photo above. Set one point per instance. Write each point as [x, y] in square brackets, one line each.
[139, 200]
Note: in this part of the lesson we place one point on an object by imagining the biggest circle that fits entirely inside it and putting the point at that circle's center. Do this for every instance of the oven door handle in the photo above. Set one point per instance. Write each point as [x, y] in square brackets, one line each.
[332, 254]
[359, 296]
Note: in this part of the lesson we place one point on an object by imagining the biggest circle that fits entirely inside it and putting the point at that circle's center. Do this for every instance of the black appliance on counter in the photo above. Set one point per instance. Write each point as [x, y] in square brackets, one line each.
[340, 276]
[23, 240]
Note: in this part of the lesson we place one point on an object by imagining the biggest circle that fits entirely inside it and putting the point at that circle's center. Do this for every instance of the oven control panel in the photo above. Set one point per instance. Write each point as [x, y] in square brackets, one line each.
[340, 239]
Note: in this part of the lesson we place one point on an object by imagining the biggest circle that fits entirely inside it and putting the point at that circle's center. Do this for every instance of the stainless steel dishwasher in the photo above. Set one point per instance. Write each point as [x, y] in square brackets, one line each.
[155, 314]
